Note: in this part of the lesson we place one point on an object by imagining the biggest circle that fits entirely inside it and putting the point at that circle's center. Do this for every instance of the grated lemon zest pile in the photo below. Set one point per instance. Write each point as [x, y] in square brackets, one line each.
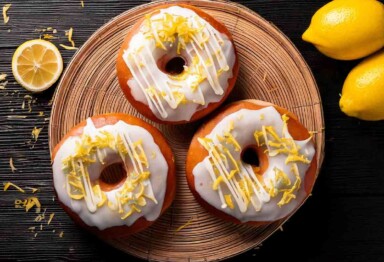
[13, 168]
[36, 132]
[185, 225]
[50, 218]
[5, 16]
[10, 184]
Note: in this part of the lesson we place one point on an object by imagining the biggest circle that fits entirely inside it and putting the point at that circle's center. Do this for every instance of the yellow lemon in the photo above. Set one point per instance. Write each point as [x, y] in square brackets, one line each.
[347, 29]
[363, 90]
[36, 65]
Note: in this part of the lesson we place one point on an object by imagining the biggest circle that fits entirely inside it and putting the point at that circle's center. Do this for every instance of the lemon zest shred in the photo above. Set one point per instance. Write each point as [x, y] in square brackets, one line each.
[61, 234]
[41, 113]
[34, 190]
[16, 117]
[217, 182]
[297, 158]
[5, 10]
[13, 168]
[48, 37]
[36, 132]
[33, 201]
[69, 33]
[50, 218]
[185, 225]
[82, 3]
[228, 200]
[3, 77]
[10, 184]
[69, 47]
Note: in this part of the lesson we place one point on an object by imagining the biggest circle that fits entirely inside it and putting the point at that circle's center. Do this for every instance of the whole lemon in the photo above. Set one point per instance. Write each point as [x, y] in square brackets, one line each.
[347, 29]
[363, 90]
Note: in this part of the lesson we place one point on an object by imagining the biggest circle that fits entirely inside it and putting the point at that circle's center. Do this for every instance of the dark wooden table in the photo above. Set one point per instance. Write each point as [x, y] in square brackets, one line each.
[342, 221]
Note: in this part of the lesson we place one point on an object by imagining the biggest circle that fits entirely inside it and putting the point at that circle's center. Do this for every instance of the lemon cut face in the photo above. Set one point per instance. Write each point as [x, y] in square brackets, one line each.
[36, 65]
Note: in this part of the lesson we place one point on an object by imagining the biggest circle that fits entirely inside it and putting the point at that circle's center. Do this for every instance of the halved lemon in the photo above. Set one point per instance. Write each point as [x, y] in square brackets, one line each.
[36, 65]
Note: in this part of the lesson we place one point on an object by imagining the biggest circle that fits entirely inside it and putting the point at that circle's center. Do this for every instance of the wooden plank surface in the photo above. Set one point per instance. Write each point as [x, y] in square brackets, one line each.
[341, 221]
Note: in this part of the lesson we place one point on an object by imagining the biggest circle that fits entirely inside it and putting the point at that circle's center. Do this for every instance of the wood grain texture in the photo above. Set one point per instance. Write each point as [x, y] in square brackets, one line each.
[342, 220]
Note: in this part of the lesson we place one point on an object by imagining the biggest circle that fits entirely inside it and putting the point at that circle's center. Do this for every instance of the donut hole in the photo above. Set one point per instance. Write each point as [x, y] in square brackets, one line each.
[250, 156]
[112, 176]
[175, 65]
[256, 157]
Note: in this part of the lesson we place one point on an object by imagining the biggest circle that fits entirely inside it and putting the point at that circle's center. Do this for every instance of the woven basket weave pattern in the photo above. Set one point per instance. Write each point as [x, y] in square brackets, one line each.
[271, 69]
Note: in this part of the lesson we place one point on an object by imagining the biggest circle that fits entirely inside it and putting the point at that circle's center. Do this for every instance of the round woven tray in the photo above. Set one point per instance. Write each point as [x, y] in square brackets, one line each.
[271, 69]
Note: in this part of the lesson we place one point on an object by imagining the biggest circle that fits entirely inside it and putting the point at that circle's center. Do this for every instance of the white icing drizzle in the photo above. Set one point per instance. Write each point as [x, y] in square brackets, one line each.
[179, 31]
[76, 175]
[223, 176]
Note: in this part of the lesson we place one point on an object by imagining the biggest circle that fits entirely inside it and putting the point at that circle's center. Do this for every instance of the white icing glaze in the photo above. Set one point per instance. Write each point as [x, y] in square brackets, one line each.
[105, 217]
[262, 207]
[210, 55]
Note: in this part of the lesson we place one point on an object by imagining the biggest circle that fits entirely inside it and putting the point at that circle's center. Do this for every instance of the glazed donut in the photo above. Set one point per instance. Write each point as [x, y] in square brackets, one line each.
[223, 172]
[177, 64]
[114, 174]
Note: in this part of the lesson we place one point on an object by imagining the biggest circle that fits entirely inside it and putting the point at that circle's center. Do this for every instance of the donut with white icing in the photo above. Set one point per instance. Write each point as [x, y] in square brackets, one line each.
[114, 174]
[252, 163]
[177, 64]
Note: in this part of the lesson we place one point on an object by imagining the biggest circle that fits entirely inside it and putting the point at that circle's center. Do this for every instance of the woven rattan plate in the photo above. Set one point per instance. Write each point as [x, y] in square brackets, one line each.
[271, 69]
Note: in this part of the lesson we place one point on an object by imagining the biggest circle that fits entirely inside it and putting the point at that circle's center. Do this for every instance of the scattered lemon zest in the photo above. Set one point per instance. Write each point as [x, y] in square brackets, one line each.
[34, 190]
[5, 16]
[32, 229]
[69, 47]
[16, 117]
[29, 99]
[48, 37]
[10, 184]
[185, 225]
[50, 218]
[3, 77]
[36, 132]
[61, 234]
[82, 3]
[41, 113]
[33, 201]
[13, 168]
